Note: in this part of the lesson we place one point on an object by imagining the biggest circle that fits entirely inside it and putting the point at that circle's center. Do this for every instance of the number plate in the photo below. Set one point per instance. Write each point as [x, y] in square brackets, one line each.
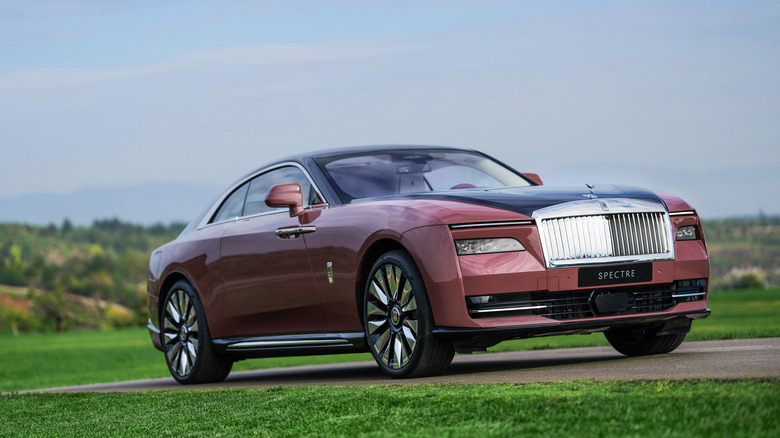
[620, 274]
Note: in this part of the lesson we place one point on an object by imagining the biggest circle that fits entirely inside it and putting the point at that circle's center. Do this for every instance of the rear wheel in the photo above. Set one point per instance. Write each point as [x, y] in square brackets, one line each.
[398, 320]
[642, 342]
[186, 341]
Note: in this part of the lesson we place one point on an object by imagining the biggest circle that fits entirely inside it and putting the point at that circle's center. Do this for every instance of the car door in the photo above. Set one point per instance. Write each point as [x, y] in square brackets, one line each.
[267, 276]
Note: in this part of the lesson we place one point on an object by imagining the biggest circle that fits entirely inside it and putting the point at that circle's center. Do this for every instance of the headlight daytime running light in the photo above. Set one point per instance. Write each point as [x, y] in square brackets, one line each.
[687, 233]
[488, 246]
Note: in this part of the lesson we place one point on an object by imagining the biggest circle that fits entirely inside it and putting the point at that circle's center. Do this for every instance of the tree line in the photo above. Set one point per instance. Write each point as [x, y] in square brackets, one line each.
[73, 276]
[107, 262]
[744, 252]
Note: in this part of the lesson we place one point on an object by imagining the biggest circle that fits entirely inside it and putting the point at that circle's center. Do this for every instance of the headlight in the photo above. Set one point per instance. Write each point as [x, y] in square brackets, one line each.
[687, 233]
[487, 246]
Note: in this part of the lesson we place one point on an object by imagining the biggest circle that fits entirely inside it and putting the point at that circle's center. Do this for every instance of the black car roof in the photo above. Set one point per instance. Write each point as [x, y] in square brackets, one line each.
[306, 159]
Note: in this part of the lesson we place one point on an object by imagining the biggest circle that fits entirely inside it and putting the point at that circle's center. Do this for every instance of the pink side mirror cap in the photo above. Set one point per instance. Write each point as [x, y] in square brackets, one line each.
[534, 177]
[286, 195]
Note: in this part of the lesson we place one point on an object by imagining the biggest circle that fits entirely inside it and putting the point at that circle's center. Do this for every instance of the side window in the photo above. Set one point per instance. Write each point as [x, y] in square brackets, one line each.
[233, 205]
[261, 185]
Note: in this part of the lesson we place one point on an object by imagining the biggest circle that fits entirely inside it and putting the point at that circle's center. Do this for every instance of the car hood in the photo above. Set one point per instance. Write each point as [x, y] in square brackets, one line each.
[527, 200]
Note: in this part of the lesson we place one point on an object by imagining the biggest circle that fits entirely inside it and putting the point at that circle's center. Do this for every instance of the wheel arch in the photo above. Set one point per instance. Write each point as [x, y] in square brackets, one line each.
[370, 257]
[401, 338]
[171, 279]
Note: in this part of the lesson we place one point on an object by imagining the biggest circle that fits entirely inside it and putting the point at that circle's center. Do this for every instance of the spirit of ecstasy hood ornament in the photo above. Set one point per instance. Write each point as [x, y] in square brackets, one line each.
[591, 195]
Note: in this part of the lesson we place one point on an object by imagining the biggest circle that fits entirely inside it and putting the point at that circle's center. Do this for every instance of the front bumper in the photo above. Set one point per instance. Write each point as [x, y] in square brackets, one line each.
[480, 338]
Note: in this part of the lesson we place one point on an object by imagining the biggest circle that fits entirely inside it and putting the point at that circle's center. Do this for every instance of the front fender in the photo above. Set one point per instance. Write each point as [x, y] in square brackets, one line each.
[434, 253]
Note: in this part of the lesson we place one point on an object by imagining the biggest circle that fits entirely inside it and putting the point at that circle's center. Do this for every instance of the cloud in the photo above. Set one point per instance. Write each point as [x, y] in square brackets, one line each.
[226, 58]
[273, 54]
[61, 78]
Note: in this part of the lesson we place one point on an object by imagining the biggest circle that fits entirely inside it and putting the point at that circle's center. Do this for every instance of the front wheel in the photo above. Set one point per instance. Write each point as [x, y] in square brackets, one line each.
[398, 320]
[186, 342]
[642, 342]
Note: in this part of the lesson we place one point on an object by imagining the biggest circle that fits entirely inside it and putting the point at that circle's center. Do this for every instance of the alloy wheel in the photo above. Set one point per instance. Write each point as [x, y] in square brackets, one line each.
[180, 332]
[391, 315]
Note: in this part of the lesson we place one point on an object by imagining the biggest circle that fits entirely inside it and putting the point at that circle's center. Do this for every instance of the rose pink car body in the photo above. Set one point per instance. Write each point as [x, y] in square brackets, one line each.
[413, 254]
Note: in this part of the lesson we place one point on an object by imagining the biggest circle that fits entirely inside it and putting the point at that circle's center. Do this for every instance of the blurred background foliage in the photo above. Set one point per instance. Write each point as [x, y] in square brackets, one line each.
[59, 278]
[744, 253]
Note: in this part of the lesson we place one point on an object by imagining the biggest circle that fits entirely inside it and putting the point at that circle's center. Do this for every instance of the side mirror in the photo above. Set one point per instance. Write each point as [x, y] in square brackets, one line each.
[534, 177]
[286, 195]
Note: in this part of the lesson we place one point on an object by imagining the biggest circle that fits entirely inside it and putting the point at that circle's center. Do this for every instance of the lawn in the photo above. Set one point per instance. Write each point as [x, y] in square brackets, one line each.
[43, 360]
[676, 409]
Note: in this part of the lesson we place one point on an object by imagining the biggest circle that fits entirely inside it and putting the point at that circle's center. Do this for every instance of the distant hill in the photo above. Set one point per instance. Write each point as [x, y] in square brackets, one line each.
[716, 194]
[143, 204]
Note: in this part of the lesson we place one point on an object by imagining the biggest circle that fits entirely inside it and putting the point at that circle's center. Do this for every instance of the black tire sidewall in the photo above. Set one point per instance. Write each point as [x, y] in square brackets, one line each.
[206, 361]
[404, 261]
[630, 343]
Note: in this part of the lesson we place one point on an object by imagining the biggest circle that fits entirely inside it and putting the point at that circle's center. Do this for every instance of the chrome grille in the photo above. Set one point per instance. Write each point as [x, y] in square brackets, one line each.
[639, 233]
[605, 238]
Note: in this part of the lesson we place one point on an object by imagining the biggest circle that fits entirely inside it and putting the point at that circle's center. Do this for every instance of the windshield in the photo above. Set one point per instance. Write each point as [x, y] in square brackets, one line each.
[413, 171]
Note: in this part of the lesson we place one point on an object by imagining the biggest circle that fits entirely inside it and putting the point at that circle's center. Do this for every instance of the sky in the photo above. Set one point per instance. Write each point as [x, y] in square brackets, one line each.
[676, 96]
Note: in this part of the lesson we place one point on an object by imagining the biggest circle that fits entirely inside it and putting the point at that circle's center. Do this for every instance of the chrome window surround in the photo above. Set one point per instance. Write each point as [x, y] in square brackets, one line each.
[490, 224]
[218, 203]
[582, 233]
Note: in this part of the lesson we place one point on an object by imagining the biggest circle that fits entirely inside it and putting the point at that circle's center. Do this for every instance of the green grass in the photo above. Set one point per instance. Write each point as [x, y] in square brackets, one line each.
[44, 360]
[40, 360]
[677, 409]
[740, 314]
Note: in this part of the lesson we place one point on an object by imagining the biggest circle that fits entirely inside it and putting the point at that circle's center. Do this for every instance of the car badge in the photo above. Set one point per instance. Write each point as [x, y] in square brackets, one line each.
[604, 205]
[590, 195]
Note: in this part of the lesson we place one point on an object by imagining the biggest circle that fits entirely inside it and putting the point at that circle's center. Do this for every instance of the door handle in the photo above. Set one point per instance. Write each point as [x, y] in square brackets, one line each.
[283, 232]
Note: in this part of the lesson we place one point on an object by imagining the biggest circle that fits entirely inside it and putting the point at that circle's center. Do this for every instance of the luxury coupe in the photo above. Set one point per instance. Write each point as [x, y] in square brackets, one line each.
[414, 254]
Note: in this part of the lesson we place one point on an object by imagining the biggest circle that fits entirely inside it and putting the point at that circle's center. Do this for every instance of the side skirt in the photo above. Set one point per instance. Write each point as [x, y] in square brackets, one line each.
[303, 344]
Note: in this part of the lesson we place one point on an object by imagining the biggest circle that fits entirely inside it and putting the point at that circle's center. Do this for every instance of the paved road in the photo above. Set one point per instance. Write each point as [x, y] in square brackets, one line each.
[730, 359]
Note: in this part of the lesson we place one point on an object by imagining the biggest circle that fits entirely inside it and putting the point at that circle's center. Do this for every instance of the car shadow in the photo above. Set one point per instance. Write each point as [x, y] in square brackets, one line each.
[485, 364]
[317, 374]
[369, 373]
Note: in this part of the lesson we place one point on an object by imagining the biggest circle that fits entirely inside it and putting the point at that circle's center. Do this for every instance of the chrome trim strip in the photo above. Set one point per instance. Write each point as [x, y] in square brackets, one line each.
[683, 213]
[318, 341]
[491, 224]
[205, 222]
[697, 294]
[506, 309]
[287, 343]
[589, 207]
[560, 327]
[605, 261]
[295, 230]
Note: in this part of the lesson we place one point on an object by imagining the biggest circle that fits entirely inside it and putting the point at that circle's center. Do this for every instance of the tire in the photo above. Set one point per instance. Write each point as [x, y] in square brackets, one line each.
[642, 342]
[398, 320]
[187, 345]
